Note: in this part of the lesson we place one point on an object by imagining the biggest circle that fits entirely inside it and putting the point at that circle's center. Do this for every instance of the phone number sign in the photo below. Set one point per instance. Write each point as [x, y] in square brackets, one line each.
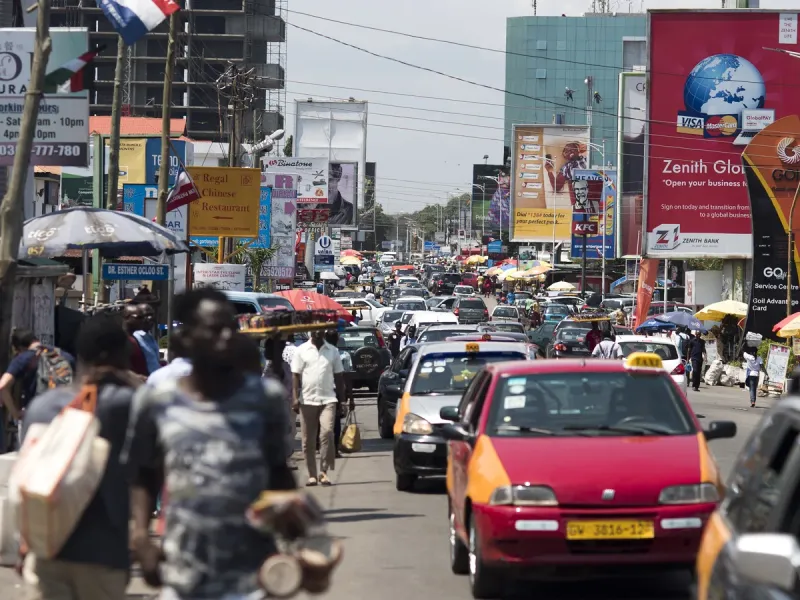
[61, 137]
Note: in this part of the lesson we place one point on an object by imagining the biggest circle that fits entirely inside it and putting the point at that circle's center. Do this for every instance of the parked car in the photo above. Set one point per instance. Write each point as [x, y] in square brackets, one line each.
[470, 279]
[444, 283]
[461, 291]
[505, 313]
[470, 310]
[370, 355]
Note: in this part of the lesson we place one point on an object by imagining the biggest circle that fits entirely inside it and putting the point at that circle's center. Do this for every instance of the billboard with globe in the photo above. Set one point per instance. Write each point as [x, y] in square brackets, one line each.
[705, 103]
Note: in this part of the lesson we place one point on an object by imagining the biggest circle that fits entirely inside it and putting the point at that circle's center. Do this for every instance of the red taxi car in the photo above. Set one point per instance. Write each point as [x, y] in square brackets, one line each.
[573, 467]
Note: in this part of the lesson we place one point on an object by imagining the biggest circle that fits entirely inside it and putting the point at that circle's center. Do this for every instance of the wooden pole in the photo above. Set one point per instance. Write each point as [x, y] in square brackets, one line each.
[113, 142]
[12, 209]
[166, 109]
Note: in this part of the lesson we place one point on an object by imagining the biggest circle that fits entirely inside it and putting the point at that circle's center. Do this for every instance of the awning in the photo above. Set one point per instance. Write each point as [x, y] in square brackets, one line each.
[624, 279]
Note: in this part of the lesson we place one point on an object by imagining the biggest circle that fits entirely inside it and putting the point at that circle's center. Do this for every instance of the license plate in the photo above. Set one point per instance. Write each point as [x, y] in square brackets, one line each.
[425, 448]
[610, 530]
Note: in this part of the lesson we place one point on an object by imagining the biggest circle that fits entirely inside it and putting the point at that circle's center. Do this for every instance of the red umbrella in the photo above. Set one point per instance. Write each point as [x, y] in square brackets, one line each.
[351, 252]
[781, 324]
[305, 300]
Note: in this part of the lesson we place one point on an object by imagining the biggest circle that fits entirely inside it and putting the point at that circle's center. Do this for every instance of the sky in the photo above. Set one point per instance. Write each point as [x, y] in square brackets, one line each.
[416, 168]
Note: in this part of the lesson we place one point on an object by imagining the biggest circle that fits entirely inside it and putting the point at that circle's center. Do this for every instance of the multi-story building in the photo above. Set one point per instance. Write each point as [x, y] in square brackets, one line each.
[548, 55]
[214, 34]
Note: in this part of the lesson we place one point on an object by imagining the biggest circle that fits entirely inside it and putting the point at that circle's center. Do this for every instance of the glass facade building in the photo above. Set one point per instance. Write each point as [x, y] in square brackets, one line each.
[547, 55]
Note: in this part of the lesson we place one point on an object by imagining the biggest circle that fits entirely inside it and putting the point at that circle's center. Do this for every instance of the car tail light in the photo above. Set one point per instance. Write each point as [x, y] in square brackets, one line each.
[455, 311]
[381, 341]
[560, 348]
[679, 370]
[486, 312]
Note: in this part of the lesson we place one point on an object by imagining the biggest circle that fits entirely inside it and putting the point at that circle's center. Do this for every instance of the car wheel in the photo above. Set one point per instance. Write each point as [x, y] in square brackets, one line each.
[459, 553]
[404, 482]
[483, 581]
[385, 426]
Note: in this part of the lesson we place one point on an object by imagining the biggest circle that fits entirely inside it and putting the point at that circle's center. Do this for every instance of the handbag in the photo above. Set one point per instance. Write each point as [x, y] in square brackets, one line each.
[351, 436]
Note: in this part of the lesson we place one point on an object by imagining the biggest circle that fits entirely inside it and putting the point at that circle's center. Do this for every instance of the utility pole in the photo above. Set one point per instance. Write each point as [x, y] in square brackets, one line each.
[166, 112]
[11, 209]
[116, 109]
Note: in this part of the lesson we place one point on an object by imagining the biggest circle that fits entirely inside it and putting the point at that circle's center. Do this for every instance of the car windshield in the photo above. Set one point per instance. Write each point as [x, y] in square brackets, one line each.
[585, 326]
[373, 303]
[402, 272]
[406, 318]
[621, 403]
[509, 327]
[572, 334]
[408, 292]
[473, 303]
[450, 278]
[406, 305]
[666, 350]
[431, 302]
[463, 289]
[350, 339]
[265, 302]
[451, 372]
[390, 316]
[505, 311]
[440, 335]
[557, 309]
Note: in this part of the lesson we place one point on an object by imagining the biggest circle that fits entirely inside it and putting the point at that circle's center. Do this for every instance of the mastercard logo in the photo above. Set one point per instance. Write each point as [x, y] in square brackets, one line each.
[720, 126]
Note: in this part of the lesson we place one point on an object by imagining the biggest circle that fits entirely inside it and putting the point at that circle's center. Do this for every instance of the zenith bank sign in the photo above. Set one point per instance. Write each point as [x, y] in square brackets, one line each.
[585, 227]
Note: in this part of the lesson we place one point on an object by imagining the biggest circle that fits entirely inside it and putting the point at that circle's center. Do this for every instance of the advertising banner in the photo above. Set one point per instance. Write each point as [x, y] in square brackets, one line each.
[282, 226]
[337, 133]
[152, 158]
[142, 199]
[62, 128]
[490, 200]
[229, 202]
[648, 268]
[630, 163]
[223, 277]
[369, 198]
[311, 173]
[772, 169]
[323, 254]
[131, 161]
[593, 193]
[705, 103]
[543, 160]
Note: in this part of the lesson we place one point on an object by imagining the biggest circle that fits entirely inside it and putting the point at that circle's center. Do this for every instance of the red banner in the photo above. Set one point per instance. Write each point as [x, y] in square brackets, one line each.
[648, 268]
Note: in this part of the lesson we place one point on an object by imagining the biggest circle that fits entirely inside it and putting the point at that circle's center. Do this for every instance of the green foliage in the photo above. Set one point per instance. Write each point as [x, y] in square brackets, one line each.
[763, 352]
[704, 264]
[288, 147]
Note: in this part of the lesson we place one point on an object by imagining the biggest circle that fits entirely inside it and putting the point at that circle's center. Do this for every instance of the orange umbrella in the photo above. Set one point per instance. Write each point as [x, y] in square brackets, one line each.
[305, 300]
[351, 252]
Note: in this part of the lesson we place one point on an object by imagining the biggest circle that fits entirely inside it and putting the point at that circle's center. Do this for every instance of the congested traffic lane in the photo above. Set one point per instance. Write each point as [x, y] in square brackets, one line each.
[396, 543]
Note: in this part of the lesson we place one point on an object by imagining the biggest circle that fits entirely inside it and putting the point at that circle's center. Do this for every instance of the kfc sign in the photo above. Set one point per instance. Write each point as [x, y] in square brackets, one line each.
[585, 227]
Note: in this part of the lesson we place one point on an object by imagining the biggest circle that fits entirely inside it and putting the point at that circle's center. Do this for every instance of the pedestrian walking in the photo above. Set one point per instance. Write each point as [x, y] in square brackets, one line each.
[317, 369]
[696, 353]
[396, 338]
[133, 321]
[94, 562]
[220, 435]
[594, 337]
[752, 373]
[410, 338]
[147, 342]
[332, 337]
[608, 349]
[179, 365]
[37, 368]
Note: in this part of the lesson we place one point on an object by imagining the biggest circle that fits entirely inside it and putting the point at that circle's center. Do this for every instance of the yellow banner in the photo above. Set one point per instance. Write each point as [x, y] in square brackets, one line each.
[132, 154]
[229, 202]
[543, 159]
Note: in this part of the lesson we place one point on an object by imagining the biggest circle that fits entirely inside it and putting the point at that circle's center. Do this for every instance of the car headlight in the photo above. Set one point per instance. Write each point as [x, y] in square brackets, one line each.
[523, 495]
[416, 425]
[689, 494]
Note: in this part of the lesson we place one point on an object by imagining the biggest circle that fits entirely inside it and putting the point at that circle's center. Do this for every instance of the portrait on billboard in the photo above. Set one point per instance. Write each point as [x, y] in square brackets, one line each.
[499, 206]
[631, 180]
[582, 203]
[342, 192]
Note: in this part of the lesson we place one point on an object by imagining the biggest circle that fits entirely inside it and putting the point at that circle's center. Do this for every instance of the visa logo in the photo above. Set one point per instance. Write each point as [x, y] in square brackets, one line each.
[691, 124]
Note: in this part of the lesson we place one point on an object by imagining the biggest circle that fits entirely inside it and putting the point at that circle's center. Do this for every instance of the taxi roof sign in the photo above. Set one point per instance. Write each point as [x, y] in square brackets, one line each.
[644, 361]
[473, 347]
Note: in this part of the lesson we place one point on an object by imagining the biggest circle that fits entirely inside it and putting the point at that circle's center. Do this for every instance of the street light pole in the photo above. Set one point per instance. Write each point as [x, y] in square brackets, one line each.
[602, 150]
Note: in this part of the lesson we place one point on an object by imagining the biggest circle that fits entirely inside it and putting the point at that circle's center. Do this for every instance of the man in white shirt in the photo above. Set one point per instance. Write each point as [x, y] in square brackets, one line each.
[608, 348]
[318, 376]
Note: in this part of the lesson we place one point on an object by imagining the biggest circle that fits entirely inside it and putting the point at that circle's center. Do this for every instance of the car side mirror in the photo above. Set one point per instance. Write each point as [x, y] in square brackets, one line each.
[718, 430]
[768, 558]
[403, 373]
[449, 413]
[455, 432]
[394, 389]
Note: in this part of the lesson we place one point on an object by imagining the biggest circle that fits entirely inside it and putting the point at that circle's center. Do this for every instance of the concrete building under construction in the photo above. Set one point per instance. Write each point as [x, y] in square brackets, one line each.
[213, 36]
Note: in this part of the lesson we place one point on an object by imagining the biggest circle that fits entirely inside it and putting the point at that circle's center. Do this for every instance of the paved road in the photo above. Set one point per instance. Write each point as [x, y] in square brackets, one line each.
[396, 543]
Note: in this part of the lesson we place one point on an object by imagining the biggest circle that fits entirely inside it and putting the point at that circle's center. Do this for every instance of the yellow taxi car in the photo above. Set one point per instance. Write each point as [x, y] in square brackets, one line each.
[560, 467]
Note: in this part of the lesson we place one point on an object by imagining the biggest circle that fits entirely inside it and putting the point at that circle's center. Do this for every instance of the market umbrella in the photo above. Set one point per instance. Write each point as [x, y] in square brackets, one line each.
[719, 310]
[784, 322]
[493, 271]
[653, 323]
[508, 266]
[113, 232]
[477, 260]
[351, 252]
[350, 260]
[681, 319]
[306, 300]
[329, 276]
[790, 329]
[538, 270]
[561, 286]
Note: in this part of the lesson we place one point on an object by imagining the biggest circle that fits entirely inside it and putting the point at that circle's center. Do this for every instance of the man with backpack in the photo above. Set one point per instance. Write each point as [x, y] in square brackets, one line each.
[36, 368]
[607, 349]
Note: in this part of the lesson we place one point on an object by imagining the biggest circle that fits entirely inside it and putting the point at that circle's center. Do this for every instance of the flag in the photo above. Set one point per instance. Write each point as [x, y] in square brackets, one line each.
[134, 19]
[183, 191]
[68, 78]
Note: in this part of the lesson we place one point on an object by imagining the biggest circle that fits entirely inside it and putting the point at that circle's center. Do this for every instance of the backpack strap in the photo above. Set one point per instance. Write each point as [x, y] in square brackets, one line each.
[86, 399]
